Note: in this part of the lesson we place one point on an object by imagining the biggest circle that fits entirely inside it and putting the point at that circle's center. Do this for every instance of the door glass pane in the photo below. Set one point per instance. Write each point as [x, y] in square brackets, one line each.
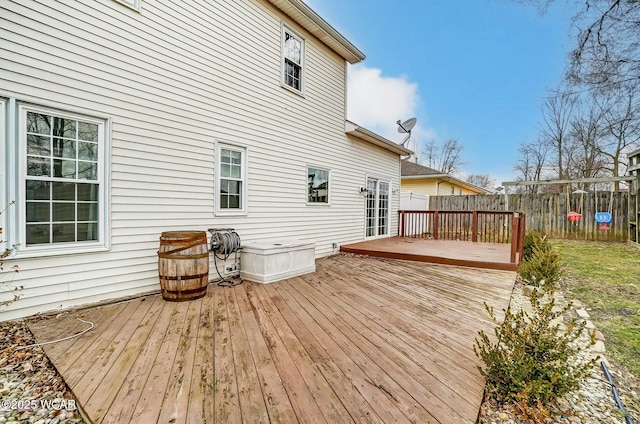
[383, 209]
[371, 208]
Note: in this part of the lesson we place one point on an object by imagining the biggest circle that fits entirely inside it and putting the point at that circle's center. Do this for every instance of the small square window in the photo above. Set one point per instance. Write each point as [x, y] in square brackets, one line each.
[318, 185]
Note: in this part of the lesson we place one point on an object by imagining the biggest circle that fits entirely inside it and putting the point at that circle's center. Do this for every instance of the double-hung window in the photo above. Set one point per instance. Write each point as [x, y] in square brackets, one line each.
[231, 184]
[292, 59]
[62, 180]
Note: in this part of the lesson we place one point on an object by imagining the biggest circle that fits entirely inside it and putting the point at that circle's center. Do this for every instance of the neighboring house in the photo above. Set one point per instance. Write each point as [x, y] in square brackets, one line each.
[419, 182]
[120, 120]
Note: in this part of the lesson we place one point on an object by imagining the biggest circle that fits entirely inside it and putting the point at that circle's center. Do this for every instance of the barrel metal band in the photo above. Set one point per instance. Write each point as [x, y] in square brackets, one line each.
[185, 277]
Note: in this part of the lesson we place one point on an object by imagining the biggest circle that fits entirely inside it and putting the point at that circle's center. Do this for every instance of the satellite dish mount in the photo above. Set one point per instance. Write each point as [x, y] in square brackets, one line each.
[405, 128]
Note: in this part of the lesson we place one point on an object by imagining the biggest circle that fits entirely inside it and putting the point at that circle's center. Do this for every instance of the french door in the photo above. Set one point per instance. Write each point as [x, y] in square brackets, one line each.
[377, 214]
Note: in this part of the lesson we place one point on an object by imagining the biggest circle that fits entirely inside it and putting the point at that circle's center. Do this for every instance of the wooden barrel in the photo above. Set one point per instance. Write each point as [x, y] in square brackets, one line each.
[183, 265]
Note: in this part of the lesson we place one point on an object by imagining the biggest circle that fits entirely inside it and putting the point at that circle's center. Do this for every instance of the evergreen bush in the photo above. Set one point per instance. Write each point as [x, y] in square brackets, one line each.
[543, 269]
[528, 362]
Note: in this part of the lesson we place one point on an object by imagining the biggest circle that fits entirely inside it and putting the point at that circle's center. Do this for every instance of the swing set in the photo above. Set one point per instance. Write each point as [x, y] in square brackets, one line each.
[603, 217]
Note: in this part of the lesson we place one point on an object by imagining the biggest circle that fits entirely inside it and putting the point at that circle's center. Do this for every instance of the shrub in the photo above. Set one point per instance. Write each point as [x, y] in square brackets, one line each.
[529, 364]
[543, 269]
[534, 240]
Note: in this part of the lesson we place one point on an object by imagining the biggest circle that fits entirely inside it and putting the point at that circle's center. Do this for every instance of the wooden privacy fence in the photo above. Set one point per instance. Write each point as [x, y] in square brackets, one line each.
[474, 226]
[548, 212]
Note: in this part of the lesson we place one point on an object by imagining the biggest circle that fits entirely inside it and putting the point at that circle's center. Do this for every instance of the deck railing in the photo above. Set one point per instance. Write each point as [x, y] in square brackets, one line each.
[474, 226]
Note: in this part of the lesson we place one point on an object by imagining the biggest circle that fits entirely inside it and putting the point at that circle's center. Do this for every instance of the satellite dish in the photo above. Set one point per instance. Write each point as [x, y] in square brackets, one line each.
[406, 126]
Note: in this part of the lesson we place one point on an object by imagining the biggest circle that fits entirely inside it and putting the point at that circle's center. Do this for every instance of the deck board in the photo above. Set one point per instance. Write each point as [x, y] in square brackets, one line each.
[359, 340]
[445, 252]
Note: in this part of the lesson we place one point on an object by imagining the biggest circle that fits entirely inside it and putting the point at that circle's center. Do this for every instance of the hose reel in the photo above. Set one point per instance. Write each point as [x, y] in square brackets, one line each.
[224, 243]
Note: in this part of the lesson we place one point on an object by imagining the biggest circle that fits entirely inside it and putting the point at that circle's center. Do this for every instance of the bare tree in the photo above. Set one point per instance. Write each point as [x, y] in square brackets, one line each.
[584, 159]
[450, 158]
[621, 119]
[607, 50]
[532, 163]
[557, 112]
[481, 180]
[446, 158]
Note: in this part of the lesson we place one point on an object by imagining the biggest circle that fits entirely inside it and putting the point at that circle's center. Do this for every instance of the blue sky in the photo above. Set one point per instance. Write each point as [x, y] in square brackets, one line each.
[477, 70]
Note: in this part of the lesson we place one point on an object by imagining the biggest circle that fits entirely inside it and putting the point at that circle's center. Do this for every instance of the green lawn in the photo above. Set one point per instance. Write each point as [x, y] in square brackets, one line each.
[605, 277]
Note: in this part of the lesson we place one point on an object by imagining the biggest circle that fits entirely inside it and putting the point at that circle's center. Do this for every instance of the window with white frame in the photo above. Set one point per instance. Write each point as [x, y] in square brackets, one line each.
[134, 4]
[231, 184]
[293, 59]
[62, 177]
[318, 186]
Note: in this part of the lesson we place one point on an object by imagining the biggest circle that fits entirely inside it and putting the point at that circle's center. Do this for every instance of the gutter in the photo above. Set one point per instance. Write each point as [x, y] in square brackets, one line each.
[364, 134]
[312, 22]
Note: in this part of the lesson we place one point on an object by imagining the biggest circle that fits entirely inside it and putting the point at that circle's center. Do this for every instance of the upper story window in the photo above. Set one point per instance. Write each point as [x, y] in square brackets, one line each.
[232, 180]
[318, 186]
[292, 59]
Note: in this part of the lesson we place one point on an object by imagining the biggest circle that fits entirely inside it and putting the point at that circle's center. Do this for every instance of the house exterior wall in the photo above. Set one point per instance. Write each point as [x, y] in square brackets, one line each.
[171, 90]
[429, 187]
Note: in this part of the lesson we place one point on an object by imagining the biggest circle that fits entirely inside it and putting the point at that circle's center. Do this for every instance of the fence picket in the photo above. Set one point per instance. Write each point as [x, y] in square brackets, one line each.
[548, 212]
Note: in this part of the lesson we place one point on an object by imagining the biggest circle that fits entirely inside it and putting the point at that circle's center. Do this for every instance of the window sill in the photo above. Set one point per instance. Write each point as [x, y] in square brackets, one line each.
[231, 213]
[292, 90]
[326, 205]
[40, 252]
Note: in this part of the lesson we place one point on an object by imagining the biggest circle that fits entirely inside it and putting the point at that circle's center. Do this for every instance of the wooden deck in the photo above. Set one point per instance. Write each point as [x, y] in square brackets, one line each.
[447, 252]
[359, 340]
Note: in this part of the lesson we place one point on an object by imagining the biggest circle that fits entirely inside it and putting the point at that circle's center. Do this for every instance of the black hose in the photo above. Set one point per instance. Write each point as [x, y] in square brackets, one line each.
[616, 395]
[224, 242]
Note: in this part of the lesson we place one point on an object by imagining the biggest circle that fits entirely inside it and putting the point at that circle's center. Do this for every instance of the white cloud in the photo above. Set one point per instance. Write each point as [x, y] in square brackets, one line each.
[376, 102]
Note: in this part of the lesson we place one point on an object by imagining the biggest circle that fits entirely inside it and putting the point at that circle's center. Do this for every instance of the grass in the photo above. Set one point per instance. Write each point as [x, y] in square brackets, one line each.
[605, 277]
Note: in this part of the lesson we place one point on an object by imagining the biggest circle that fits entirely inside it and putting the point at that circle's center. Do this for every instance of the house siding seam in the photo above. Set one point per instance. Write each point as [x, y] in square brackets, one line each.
[172, 89]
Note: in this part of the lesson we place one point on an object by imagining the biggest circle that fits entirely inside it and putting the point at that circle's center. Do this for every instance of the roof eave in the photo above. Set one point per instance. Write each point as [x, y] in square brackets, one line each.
[373, 138]
[446, 177]
[312, 22]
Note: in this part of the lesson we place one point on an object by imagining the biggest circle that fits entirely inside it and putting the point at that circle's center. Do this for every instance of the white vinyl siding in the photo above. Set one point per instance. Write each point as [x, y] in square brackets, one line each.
[173, 80]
